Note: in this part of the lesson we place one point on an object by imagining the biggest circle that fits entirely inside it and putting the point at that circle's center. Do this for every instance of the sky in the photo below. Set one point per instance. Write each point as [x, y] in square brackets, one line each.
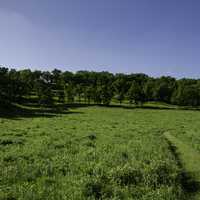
[155, 37]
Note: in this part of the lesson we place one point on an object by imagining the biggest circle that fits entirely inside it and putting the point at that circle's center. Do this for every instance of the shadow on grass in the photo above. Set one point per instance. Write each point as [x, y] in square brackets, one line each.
[33, 109]
[157, 106]
[137, 106]
[30, 111]
[149, 107]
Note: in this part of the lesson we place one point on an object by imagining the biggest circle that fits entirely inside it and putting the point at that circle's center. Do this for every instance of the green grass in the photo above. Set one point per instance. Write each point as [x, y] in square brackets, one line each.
[189, 160]
[94, 153]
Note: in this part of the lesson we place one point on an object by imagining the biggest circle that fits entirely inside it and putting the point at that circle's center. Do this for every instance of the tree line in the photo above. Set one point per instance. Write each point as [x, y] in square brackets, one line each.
[95, 87]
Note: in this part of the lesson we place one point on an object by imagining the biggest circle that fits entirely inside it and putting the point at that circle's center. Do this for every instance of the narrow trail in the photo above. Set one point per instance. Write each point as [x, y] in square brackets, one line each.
[189, 162]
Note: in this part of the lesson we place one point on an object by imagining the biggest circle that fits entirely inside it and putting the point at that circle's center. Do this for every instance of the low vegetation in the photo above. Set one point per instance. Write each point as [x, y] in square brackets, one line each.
[95, 153]
[189, 160]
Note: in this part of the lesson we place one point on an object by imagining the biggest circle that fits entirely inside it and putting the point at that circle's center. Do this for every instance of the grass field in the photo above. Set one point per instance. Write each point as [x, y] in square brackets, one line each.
[99, 153]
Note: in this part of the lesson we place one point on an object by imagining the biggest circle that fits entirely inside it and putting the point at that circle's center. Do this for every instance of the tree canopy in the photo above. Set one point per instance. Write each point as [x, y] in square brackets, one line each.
[95, 87]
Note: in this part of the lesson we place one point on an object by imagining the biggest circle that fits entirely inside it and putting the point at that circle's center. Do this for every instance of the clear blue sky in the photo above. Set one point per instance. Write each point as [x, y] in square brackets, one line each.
[156, 37]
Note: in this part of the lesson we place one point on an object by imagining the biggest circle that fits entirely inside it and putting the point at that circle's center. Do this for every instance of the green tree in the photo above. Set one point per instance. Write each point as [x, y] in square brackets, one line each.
[44, 89]
[186, 95]
[97, 95]
[164, 88]
[89, 93]
[79, 91]
[70, 93]
[149, 88]
[106, 94]
[4, 86]
[120, 87]
[136, 94]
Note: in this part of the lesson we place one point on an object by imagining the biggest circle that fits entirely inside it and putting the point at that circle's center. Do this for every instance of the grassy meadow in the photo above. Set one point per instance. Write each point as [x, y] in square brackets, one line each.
[98, 153]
